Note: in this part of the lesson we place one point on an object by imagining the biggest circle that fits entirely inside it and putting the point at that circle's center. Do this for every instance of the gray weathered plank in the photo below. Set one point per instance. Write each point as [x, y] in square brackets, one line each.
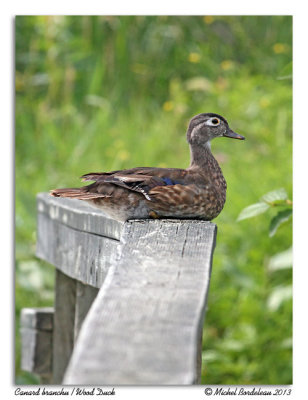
[85, 295]
[64, 324]
[81, 255]
[144, 326]
[72, 303]
[36, 328]
[37, 318]
[78, 215]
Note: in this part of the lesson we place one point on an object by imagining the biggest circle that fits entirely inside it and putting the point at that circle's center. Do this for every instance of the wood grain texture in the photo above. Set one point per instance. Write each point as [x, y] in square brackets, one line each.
[36, 328]
[144, 325]
[64, 324]
[85, 295]
[78, 215]
[37, 318]
[81, 255]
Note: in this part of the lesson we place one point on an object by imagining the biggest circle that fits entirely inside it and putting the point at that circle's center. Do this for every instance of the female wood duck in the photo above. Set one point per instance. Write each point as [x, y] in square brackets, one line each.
[196, 192]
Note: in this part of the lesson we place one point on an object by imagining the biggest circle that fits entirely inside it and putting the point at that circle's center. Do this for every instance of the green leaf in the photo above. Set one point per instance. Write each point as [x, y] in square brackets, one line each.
[282, 216]
[281, 260]
[232, 345]
[286, 72]
[275, 195]
[253, 210]
[211, 355]
[287, 343]
[278, 296]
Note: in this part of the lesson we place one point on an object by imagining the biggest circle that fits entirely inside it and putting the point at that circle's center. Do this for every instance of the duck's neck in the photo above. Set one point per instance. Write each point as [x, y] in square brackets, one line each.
[201, 156]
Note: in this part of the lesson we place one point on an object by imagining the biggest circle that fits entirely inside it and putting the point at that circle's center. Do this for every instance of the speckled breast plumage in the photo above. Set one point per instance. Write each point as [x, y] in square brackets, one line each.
[196, 192]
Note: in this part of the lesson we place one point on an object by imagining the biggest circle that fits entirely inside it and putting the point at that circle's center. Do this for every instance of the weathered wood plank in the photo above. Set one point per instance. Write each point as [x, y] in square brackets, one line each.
[36, 328]
[85, 295]
[199, 354]
[80, 255]
[64, 324]
[144, 325]
[72, 302]
[37, 318]
[78, 215]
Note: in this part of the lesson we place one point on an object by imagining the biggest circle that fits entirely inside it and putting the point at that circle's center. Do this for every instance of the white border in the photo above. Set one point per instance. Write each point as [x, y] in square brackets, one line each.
[296, 8]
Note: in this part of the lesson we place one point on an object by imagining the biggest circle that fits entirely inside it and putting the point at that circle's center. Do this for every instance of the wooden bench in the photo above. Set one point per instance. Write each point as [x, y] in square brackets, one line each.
[130, 298]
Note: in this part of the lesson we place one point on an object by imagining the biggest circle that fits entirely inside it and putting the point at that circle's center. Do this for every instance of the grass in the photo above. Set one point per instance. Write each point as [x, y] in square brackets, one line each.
[103, 93]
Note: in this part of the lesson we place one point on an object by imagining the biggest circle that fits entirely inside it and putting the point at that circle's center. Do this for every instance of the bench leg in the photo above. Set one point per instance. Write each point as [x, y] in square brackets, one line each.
[72, 303]
[64, 321]
[85, 296]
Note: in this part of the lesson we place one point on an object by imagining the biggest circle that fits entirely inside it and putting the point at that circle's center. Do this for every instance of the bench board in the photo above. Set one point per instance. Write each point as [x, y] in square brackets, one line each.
[145, 324]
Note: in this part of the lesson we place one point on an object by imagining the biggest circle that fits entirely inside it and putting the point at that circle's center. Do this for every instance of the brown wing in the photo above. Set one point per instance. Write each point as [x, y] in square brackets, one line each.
[141, 180]
[186, 195]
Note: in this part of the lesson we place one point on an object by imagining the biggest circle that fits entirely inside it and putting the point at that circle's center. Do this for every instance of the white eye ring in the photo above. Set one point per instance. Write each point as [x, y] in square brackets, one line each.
[213, 121]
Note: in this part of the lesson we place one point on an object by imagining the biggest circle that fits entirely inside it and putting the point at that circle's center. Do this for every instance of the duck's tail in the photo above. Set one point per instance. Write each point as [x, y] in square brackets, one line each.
[76, 193]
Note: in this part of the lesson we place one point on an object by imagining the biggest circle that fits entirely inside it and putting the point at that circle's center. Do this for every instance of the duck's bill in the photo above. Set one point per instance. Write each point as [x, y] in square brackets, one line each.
[229, 133]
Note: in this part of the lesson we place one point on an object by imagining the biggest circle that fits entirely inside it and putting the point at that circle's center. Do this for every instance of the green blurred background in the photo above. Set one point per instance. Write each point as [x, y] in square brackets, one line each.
[97, 93]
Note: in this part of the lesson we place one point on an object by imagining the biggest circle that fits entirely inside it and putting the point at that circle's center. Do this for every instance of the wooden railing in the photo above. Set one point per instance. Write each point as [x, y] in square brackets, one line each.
[130, 298]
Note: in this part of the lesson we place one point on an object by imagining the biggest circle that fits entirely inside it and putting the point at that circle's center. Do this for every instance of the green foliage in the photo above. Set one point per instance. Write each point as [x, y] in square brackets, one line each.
[280, 217]
[276, 198]
[104, 93]
[282, 293]
[253, 210]
[281, 260]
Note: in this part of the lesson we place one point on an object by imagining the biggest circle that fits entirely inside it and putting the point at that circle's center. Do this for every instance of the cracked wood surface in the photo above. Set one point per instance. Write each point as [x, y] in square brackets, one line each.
[76, 238]
[145, 325]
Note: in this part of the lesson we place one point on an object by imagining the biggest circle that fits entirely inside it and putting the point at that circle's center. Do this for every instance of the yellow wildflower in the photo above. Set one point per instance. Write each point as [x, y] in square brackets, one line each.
[123, 155]
[208, 19]
[264, 102]
[194, 57]
[280, 48]
[226, 65]
[168, 106]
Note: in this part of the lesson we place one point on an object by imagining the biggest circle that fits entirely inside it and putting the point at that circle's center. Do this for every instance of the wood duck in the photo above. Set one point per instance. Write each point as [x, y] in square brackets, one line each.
[196, 192]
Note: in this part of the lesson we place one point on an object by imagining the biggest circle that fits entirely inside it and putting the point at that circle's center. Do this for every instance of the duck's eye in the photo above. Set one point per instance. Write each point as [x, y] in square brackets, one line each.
[213, 122]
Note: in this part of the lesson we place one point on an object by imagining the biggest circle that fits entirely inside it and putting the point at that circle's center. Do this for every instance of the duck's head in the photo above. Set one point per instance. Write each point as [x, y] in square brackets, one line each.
[207, 126]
